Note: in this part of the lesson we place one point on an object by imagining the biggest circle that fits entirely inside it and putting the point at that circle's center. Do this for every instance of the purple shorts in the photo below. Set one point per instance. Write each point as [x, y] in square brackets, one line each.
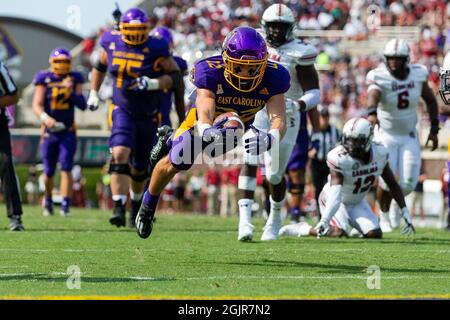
[138, 134]
[186, 146]
[58, 147]
[299, 155]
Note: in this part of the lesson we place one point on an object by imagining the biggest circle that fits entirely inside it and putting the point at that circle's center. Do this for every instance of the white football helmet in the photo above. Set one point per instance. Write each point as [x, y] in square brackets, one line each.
[357, 136]
[278, 22]
[397, 48]
[444, 74]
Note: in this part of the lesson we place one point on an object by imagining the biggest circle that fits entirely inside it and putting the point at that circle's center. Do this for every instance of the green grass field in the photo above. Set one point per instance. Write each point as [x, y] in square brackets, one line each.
[189, 257]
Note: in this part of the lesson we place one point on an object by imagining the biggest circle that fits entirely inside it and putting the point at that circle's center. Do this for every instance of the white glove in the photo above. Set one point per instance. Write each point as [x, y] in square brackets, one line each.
[322, 229]
[408, 228]
[93, 101]
[145, 83]
[59, 126]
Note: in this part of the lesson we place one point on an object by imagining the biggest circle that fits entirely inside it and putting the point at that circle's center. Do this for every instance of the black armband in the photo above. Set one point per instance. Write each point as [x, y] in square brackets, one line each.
[434, 126]
[372, 111]
[177, 78]
[101, 67]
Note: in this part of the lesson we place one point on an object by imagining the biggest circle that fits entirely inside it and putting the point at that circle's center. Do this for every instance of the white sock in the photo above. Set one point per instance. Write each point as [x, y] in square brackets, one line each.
[245, 211]
[275, 209]
[121, 197]
[135, 196]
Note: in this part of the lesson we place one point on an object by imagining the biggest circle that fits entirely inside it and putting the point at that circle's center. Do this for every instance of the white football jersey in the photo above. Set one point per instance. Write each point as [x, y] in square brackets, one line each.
[397, 110]
[358, 177]
[289, 55]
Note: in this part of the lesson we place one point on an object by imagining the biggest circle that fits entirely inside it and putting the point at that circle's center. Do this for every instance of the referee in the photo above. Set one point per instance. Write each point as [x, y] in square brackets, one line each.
[8, 96]
[322, 142]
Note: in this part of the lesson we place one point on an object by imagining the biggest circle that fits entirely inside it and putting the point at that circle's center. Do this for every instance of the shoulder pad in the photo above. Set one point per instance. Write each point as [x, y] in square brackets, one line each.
[305, 54]
[420, 72]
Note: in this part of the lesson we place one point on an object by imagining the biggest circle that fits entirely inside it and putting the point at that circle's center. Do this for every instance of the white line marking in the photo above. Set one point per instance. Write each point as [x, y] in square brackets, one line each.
[241, 277]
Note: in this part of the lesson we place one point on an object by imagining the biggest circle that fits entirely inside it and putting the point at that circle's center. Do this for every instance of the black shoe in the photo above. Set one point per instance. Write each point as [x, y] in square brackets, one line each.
[144, 221]
[118, 215]
[135, 205]
[161, 147]
[15, 224]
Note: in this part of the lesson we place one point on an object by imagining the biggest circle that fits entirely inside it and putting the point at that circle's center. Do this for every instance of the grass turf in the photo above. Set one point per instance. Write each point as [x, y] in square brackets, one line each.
[199, 257]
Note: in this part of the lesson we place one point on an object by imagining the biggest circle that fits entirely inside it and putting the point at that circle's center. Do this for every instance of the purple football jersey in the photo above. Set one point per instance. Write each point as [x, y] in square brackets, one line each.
[57, 102]
[209, 74]
[126, 63]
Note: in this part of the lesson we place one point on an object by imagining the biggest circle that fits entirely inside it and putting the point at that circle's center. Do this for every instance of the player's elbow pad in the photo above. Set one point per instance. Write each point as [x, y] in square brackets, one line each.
[79, 101]
[311, 98]
[333, 202]
[177, 79]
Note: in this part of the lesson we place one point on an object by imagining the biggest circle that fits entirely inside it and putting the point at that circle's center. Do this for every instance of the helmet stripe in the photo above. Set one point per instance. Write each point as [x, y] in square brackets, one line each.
[354, 124]
[279, 9]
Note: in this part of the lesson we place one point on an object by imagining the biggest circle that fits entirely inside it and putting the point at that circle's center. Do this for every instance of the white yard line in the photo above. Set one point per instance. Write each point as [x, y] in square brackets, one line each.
[241, 277]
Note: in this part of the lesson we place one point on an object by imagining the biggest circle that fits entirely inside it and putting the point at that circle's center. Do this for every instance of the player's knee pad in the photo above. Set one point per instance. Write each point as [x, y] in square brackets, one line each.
[407, 187]
[139, 177]
[119, 168]
[297, 188]
[247, 183]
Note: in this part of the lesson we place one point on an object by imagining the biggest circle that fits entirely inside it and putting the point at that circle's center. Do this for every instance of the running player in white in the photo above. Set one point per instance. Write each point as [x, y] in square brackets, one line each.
[354, 166]
[304, 95]
[394, 91]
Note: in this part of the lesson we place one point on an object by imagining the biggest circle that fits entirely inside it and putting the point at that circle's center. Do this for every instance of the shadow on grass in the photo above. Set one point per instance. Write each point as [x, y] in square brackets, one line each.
[63, 278]
[330, 268]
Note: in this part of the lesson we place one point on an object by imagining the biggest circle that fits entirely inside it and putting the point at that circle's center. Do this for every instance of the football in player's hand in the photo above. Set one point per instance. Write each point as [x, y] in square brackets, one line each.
[233, 120]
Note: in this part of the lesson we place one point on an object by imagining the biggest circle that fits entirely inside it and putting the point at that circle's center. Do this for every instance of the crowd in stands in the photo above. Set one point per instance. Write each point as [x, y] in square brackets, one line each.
[200, 26]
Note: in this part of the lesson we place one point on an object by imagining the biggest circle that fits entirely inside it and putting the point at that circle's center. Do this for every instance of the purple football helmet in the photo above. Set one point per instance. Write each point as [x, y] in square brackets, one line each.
[134, 26]
[163, 32]
[244, 53]
[60, 61]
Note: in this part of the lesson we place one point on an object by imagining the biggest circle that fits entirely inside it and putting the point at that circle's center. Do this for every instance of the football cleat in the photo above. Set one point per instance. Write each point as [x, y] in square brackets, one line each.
[64, 213]
[135, 205]
[15, 223]
[48, 208]
[118, 215]
[144, 221]
[245, 232]
[162, 146]
[271, 229]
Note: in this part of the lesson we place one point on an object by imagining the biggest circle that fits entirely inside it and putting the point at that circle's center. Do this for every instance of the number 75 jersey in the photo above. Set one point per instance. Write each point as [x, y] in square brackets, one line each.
[126, 63]
[397, 111]
[358, 177]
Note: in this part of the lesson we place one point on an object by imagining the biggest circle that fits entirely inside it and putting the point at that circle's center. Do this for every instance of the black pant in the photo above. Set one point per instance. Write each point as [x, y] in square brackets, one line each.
[7, 172]
[320, 173]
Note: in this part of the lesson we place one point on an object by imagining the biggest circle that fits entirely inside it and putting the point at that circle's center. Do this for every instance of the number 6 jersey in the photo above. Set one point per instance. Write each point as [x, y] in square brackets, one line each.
[358, 176]
[397, 111]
